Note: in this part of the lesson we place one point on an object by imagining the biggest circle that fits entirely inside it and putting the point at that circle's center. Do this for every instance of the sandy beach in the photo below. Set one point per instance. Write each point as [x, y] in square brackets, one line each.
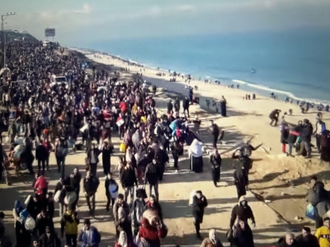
[276, 179]
[273, 172]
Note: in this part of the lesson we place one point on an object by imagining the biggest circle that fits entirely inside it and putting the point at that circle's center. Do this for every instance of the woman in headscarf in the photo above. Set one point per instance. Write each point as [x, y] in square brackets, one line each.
[215, 160]
[211, 240]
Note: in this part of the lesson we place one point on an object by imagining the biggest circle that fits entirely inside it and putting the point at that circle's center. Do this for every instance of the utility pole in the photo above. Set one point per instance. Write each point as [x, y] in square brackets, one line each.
[3, 18]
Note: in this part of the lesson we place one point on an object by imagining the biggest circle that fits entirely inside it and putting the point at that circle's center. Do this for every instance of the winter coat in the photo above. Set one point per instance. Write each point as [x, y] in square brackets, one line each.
[307, 241]
[198, 208]
[307, 133]
[241, 212]
[319, 198]
[128, 177]
[44, 240]
[243, 238]
[96, 237]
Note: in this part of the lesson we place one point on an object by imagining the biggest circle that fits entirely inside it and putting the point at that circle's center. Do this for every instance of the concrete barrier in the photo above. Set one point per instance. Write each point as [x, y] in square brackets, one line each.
[209, 104]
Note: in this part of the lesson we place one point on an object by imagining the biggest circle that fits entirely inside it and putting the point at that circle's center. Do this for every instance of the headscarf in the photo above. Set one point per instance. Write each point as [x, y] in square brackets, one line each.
[122, 240]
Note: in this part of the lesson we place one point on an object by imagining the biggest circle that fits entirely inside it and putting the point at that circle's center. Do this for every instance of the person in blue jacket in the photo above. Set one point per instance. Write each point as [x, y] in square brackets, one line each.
[89, 235]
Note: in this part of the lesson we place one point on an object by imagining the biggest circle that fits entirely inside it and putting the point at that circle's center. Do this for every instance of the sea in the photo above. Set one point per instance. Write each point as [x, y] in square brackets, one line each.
[291, 63]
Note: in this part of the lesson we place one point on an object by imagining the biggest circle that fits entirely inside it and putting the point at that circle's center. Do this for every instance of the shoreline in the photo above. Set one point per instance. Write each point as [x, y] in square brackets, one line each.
[246, 86]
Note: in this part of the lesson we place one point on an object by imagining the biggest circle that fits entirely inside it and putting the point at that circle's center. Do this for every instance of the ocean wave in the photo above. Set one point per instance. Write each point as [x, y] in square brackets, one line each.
[288, 94]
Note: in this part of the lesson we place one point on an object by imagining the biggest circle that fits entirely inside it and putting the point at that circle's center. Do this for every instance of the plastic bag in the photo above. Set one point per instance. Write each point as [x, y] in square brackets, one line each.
[311, 212]
[191, 198]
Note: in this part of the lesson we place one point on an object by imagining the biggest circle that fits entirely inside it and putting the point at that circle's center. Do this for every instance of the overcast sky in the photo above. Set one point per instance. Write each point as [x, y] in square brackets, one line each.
[77, 20]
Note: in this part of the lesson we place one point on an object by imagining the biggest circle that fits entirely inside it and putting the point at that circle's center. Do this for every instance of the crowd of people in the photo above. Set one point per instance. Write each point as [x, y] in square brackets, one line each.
[299, 136]
[48, 116]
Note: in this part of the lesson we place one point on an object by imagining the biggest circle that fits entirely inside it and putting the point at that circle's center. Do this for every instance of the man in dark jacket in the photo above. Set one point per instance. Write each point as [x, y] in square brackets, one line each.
[41, 156]
[215, 131]
[49, 238]
[287, 241]
[177, 105]
[169, 107]
[43, 221]
[306, 137]
[75, 183]
[306, 239]
[151, 177]
[241, 211]
[274, 116]
[186, 104]
[319, 198]
[199, 204]
[91, 184]
[128, 180]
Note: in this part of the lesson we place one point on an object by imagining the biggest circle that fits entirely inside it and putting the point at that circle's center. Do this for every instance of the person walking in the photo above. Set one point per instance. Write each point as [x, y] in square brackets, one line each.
[199, 205]
[69, 227]
[215, 160]
[92, 157]
[215, 131]
[128, 180]
[106, 157]
[89, 236]
[75, 183]
[137, 210]
[151, 177]
[243, 236]
[61, 151]
[91, 184]
[41, 156]
[242, 211]
[111, 191]
[241, 181]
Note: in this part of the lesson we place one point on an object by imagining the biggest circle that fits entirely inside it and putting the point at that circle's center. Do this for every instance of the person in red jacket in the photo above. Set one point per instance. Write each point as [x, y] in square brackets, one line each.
[41, 186]
[152, 233]
[123, 107]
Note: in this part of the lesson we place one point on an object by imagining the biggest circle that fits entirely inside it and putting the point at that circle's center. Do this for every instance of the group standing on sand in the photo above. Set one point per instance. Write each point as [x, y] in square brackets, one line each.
[300, 136]
[51, 116]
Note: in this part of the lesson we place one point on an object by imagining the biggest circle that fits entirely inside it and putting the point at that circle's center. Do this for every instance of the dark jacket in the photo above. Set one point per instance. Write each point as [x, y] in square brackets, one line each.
[151, 174]
[307, 241]
[128, 177]
[281, 243]
[91, 185]
[241, 212]
[198, 208]
[274, 113]
[41, 152]
[75, 183]
[53, 239]
[307, 133]
[319, 198]
[243, 238]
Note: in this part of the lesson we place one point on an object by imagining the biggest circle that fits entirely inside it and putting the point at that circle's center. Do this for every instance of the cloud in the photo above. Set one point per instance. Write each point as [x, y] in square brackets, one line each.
[185, 8]
[55, 15]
